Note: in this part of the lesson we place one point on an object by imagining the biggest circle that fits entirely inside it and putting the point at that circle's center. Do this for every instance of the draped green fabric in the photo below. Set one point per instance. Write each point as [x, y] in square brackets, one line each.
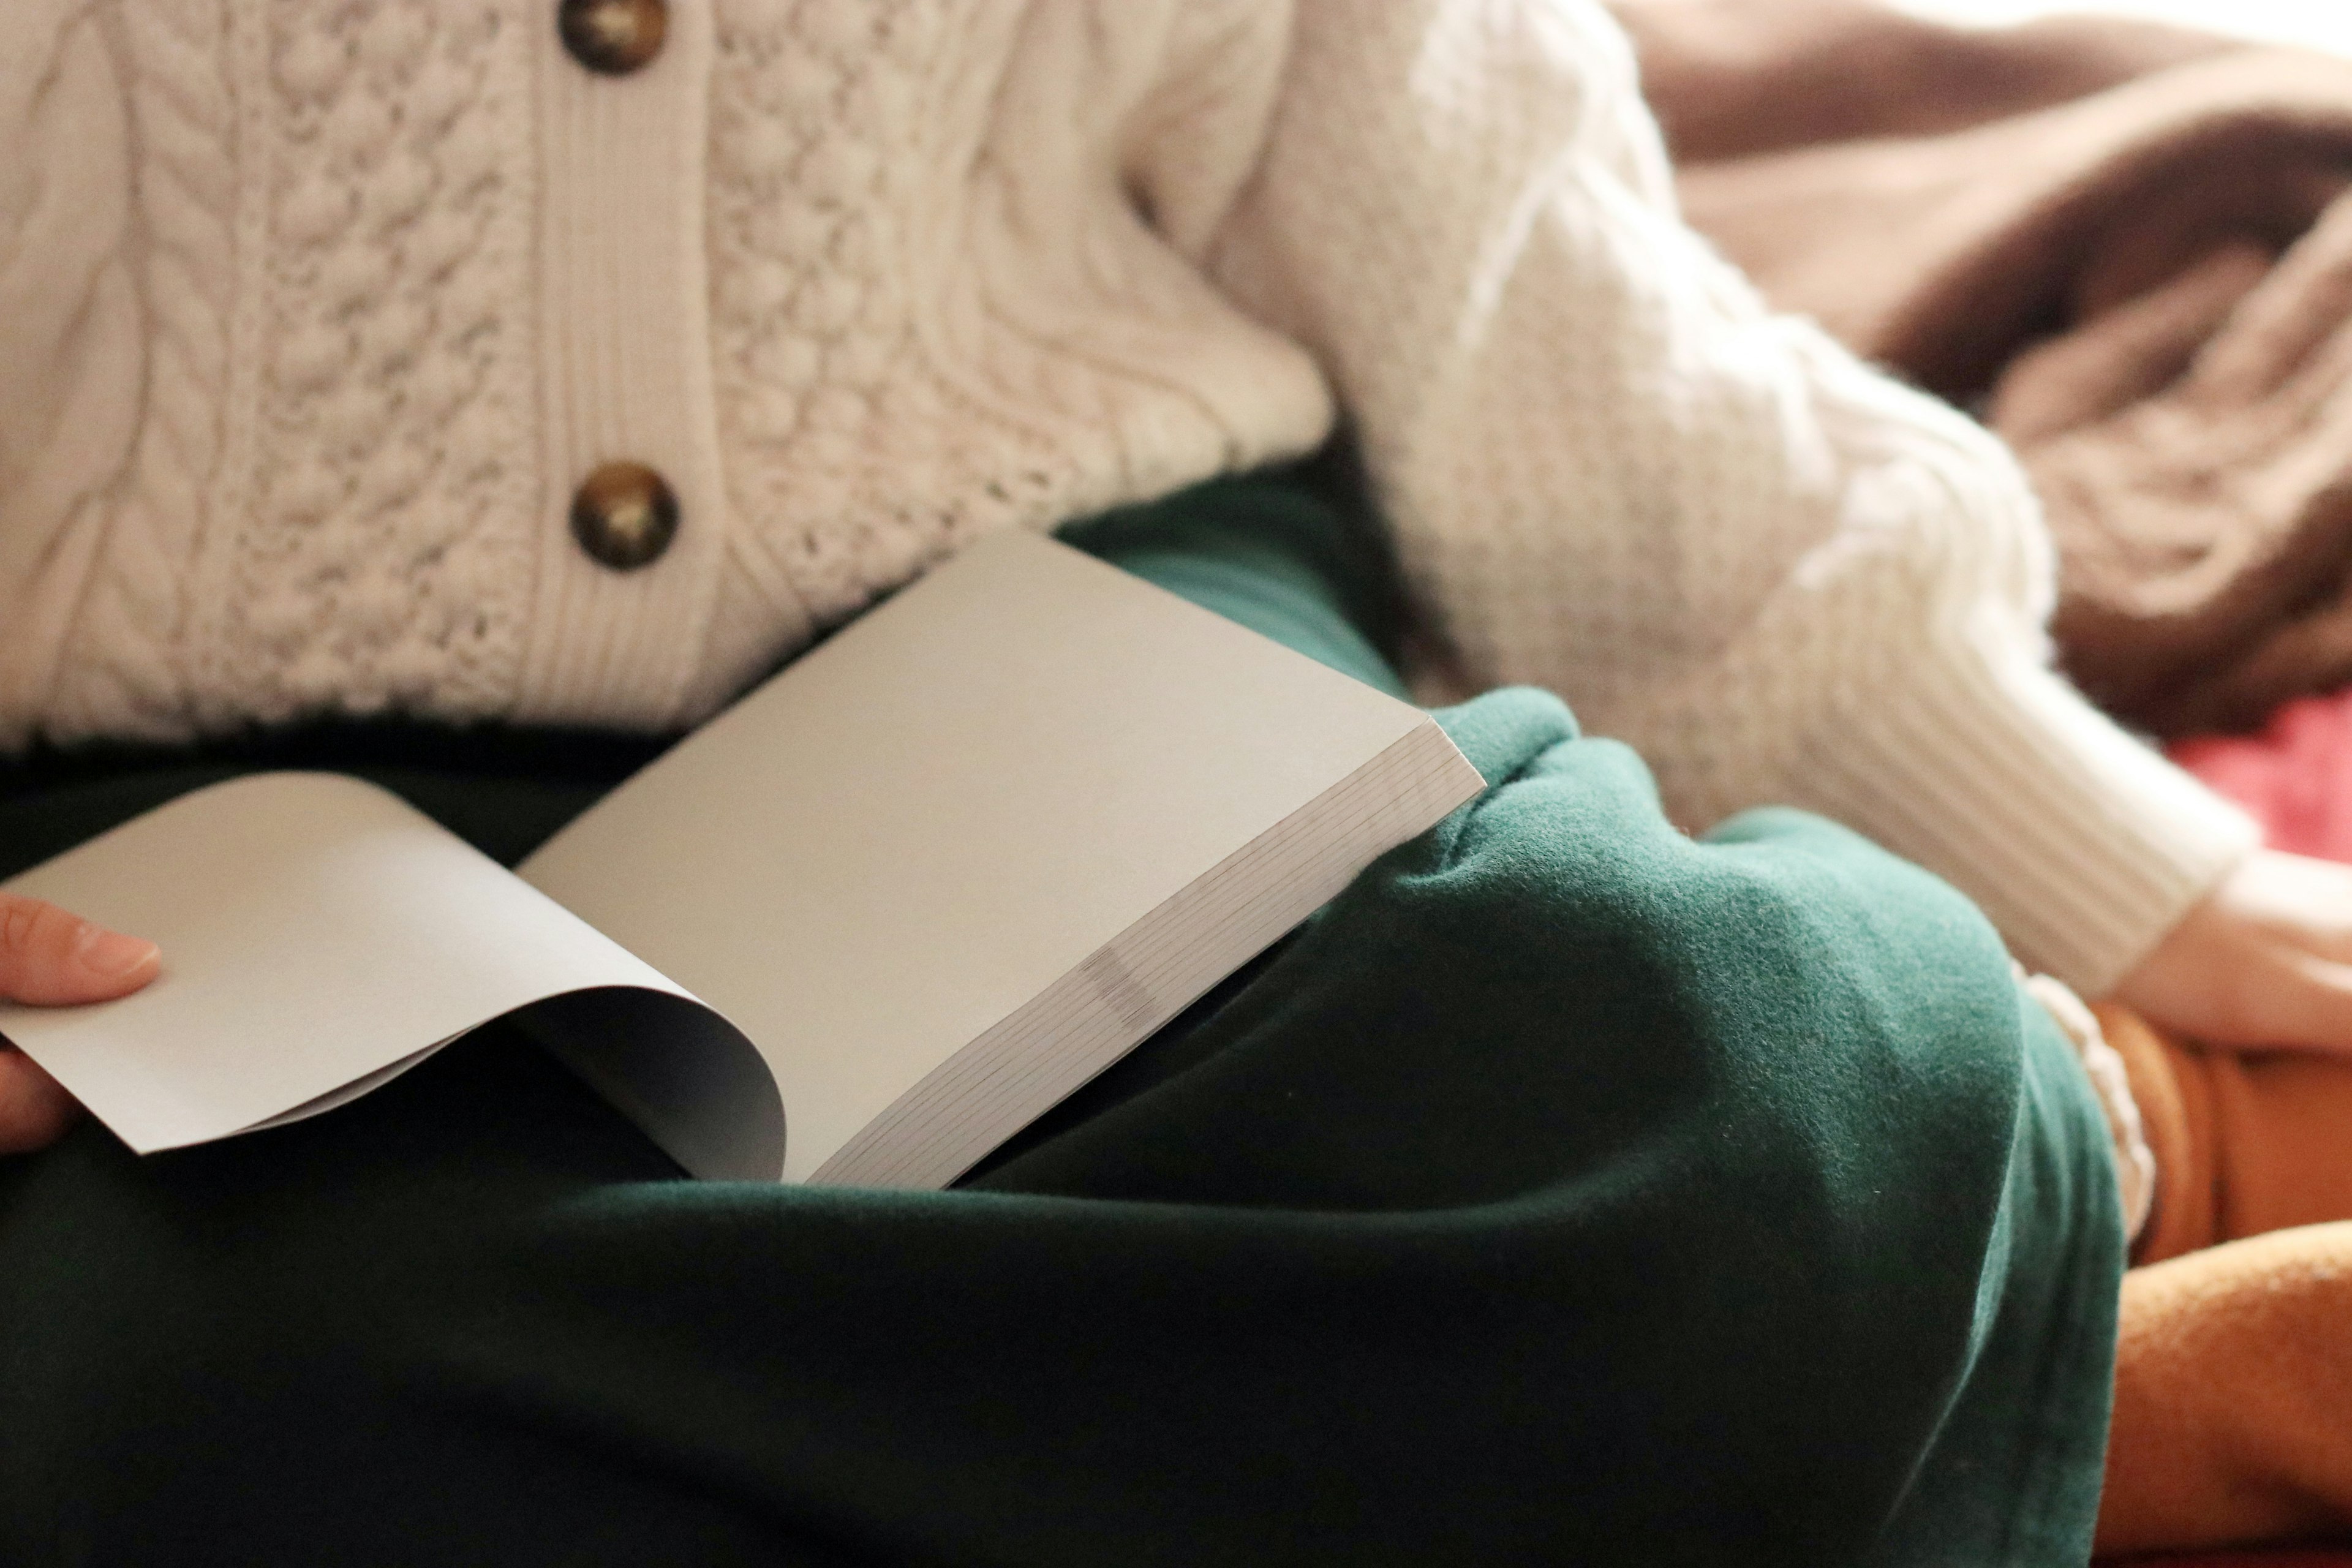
[1567, 1191]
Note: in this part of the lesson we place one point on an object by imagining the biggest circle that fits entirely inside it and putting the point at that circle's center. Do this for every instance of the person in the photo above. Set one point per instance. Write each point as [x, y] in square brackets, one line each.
[535, 367]
[1567, 1188]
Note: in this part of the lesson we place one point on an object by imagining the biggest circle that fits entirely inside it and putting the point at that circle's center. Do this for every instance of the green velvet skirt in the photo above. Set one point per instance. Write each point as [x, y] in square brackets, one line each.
[1569, 1190]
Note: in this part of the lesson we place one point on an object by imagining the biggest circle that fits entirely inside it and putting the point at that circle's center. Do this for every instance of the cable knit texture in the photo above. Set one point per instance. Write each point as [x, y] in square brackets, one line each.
[275, 428]
[370, 540]
[176, 251]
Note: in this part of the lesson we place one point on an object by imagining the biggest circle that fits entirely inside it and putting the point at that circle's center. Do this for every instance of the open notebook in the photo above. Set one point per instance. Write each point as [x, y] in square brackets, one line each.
[861, 928]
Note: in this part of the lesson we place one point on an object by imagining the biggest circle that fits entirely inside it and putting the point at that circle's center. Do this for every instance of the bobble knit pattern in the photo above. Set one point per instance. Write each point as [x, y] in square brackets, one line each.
[880, 403]
[278, 418]
[834, 430]
[372, 538]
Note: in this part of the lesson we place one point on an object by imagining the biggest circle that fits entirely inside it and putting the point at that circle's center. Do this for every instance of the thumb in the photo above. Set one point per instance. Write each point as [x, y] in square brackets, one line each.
[50, 958]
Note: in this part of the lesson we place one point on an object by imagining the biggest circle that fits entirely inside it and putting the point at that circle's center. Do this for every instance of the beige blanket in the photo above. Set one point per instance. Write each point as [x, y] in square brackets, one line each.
[2126, 245]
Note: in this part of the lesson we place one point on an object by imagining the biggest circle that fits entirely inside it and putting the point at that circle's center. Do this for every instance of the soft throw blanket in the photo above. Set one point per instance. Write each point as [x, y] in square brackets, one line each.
[2128, 246]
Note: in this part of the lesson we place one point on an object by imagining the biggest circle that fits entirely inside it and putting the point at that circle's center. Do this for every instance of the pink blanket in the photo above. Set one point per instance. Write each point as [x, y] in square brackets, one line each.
[2295, 775]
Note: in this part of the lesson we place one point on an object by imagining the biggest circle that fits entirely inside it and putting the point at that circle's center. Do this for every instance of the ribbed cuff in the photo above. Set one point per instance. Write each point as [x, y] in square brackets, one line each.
[2082, 845]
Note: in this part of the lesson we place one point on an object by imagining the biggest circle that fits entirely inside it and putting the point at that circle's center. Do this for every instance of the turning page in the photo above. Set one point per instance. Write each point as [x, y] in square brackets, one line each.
[319, 935]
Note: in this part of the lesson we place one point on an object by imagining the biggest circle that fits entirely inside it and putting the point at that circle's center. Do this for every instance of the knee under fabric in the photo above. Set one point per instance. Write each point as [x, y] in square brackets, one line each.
[2232, 1376]
[1567, 1190]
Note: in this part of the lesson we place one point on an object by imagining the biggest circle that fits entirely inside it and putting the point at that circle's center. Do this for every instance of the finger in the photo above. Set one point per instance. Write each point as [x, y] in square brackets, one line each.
[50, 958]
[34, 1109]
[2305, 903]
[2301, 1002]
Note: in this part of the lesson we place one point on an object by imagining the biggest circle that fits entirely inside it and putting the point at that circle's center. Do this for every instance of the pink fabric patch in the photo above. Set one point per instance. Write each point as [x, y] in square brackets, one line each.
[2294, 777]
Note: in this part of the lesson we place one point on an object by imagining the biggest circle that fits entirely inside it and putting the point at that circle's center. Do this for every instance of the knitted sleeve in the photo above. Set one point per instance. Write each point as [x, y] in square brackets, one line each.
[1612, 472]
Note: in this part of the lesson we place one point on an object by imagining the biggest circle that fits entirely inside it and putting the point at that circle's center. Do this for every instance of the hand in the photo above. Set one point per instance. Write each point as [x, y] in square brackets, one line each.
[49, 959]
[2265, 960]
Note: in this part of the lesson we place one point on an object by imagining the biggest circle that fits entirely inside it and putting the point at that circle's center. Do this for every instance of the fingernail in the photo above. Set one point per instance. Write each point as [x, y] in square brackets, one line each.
[109, 954]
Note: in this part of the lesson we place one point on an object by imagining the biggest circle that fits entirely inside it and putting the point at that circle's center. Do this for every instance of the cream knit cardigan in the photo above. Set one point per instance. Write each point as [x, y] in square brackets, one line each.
[313, 313]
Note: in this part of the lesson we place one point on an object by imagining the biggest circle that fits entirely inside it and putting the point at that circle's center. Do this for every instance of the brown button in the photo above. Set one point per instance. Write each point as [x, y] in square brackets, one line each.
[613, 37]
[624, 515]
